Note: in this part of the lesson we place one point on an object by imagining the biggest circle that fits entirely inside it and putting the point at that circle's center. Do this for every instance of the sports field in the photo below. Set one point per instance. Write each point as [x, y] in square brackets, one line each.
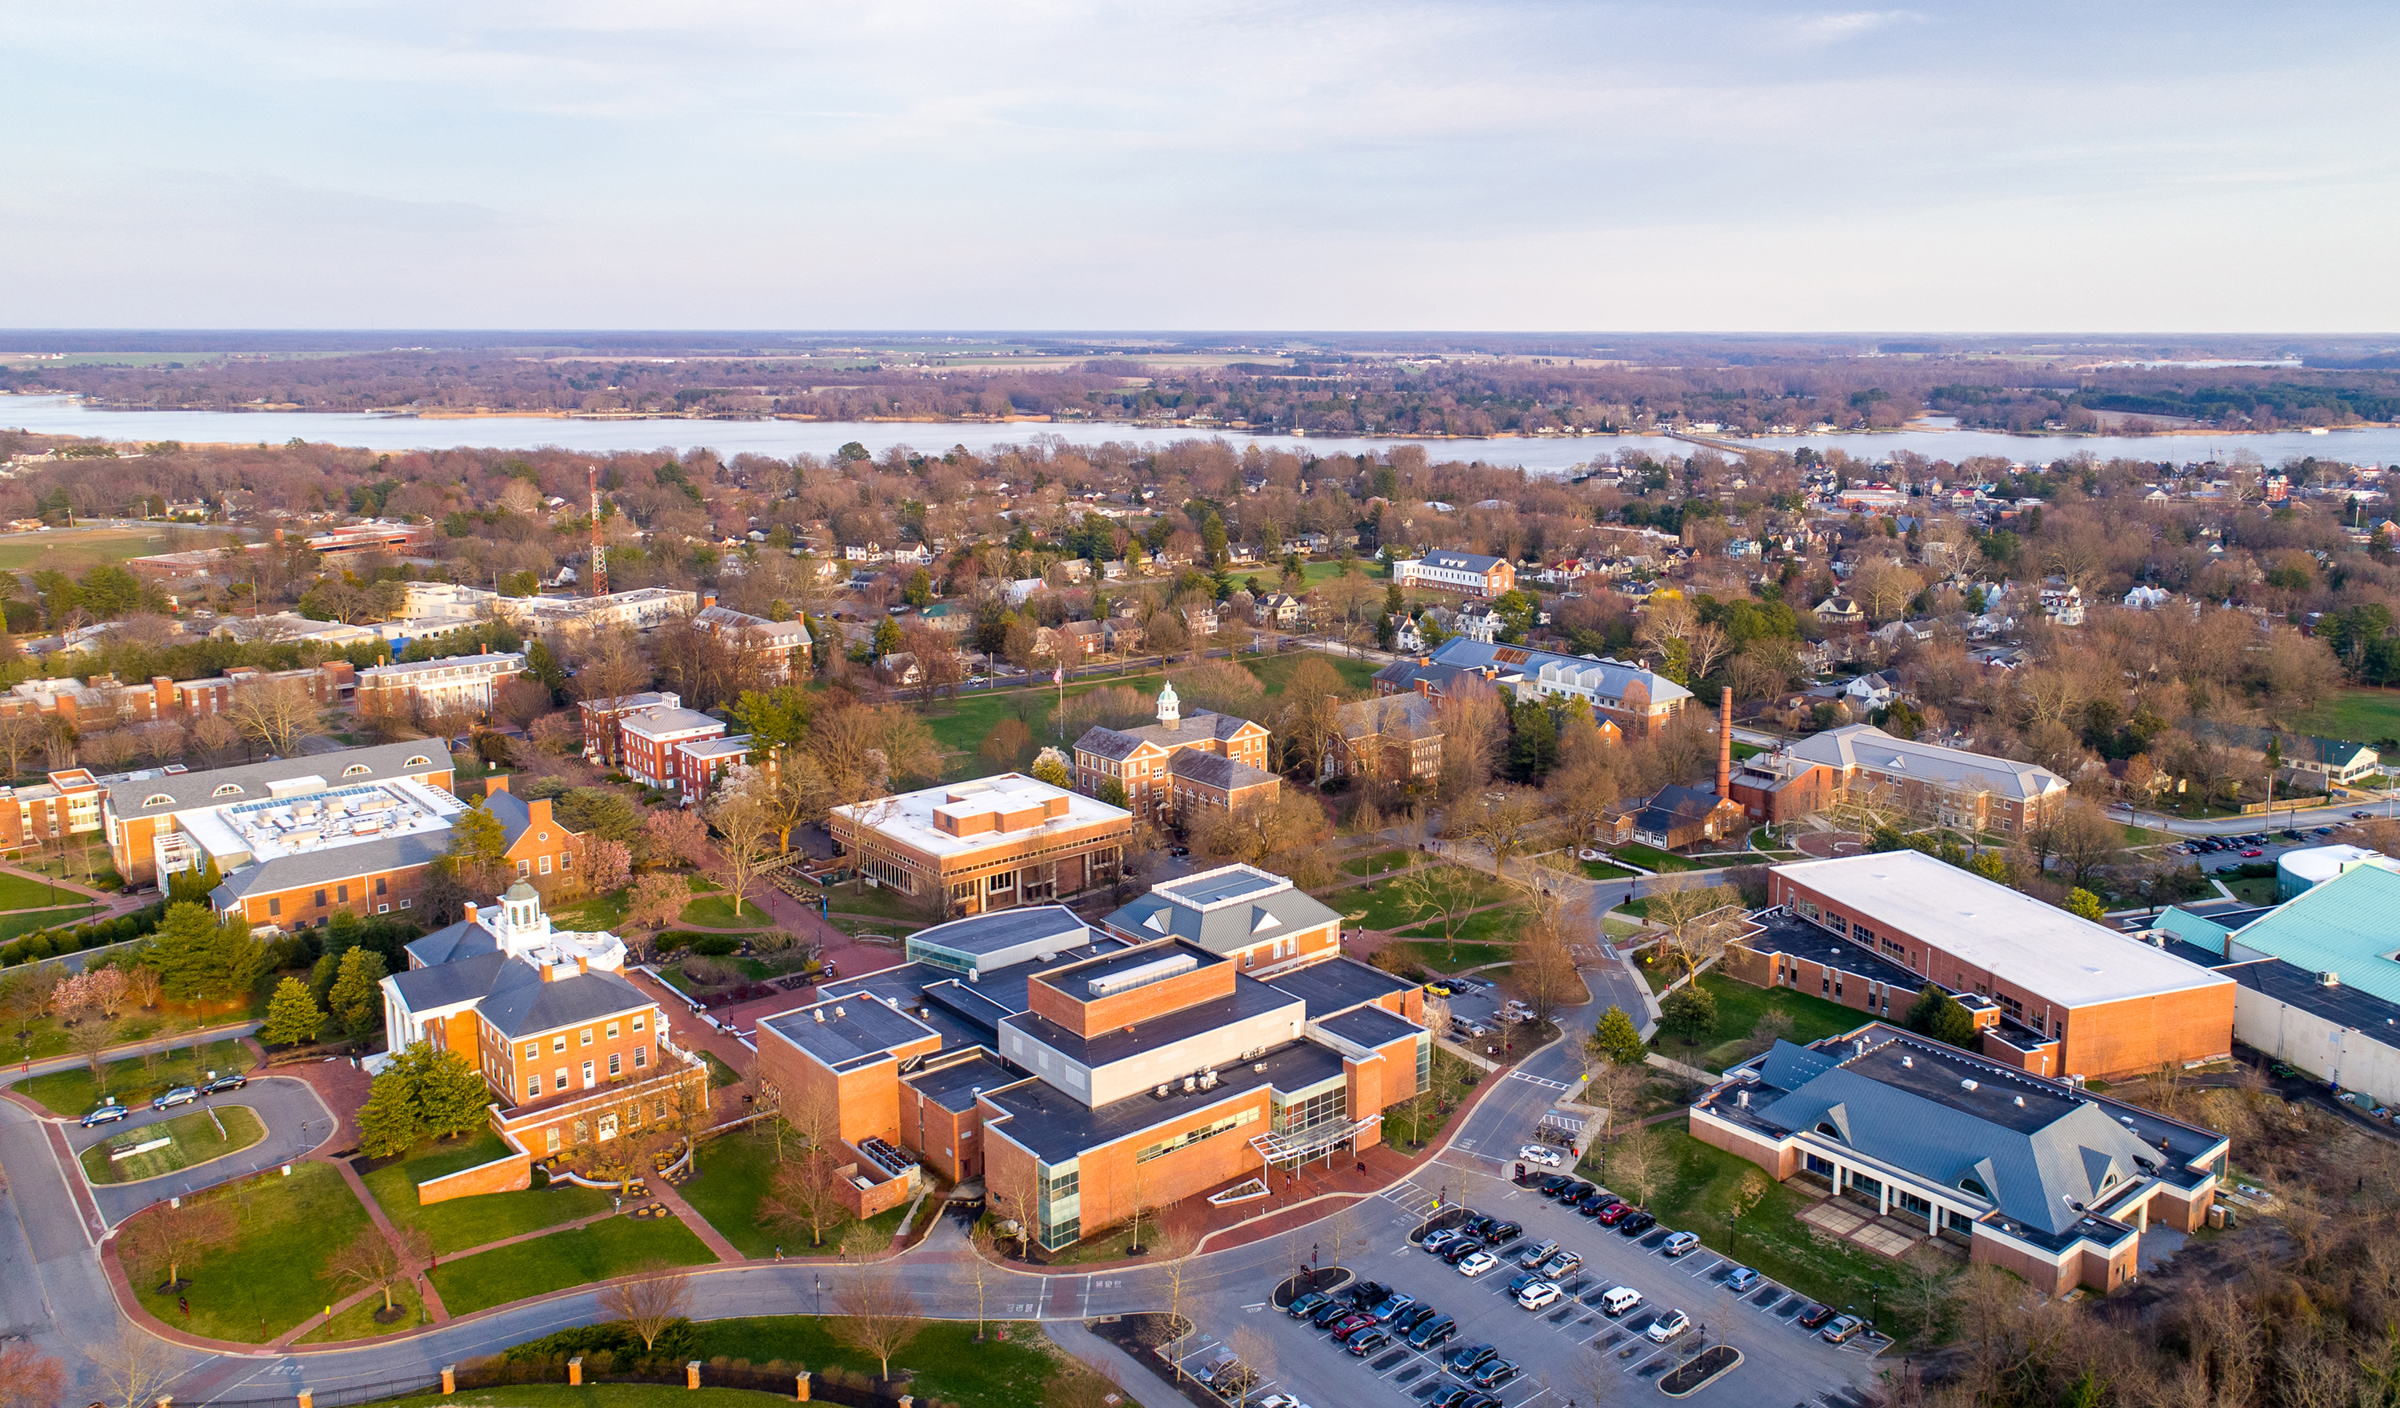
[77, 550]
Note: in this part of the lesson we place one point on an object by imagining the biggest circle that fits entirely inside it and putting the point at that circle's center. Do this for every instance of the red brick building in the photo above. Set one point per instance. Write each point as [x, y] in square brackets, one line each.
[1173, 769]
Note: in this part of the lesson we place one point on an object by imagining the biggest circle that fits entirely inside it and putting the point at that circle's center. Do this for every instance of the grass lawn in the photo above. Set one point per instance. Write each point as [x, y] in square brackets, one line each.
[2252, 891]
[1739, 1007]
[719, 1074]
[854, 897]
[1275, 671]
[1453, 958]
[13, 925]
[135, 1078]
[716, 912]
[467, 1222]
[2358, 715]
[1697, 1195]
[1385, 904]
[196, 1141]
[735, 1170]
[1380, 863]
[1639, 909]
[611, 1247]
[75, 550]
[23, 892]
[1743, 750]
[1602, 870]
[1503, 925]
[43, 1036]
[1317, 574]
[599, 914]
[274, 1271]
[889, 928]
[1651, 858]
[358, 1322]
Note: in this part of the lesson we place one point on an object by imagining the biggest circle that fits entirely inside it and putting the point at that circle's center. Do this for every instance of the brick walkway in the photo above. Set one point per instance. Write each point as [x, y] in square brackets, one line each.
[340, 1084]
[666, 1193]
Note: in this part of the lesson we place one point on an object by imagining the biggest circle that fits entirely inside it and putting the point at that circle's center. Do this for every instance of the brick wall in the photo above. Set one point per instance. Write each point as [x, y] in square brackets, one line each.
[507, 1174]
[509, 1068]
[2126, 1038]
[1085, 1018]
[2049, 1278]
[392, 891]
[1780, 1162]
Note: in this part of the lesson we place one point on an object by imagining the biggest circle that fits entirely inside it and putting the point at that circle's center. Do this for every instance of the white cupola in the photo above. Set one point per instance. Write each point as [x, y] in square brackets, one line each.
[1170, 708]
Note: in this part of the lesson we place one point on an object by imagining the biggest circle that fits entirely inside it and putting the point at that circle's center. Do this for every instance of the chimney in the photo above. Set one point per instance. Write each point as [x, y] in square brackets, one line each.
[583, 965]
[707, 600]
[1725, 746]
[470, 914]
[497, 782]
[545, 972]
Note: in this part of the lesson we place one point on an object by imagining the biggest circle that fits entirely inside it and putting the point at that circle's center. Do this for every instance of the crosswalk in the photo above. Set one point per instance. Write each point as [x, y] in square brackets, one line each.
[1544, 1081]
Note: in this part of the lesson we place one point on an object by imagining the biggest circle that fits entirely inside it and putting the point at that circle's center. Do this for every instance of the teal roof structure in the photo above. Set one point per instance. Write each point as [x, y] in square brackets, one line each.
[2349, 925]
[2195, 929]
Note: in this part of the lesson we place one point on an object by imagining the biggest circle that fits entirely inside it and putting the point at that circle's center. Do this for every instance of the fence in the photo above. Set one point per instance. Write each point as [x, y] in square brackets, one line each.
[777, 1379]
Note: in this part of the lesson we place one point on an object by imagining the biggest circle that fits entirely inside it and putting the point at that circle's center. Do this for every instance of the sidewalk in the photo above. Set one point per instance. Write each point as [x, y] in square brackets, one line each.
[49, 1064]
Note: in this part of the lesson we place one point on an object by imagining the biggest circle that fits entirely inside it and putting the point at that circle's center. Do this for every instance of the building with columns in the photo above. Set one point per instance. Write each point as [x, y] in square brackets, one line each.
[2043, 1178]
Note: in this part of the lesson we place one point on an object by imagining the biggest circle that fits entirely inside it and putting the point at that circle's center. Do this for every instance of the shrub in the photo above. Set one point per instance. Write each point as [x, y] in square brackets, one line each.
[672, 939]
[715, 945]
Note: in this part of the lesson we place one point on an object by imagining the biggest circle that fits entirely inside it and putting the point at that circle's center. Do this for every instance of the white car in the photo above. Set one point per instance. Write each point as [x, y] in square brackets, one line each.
[1280, 1400]
[1541, 1154]
[1537, 1295]
[1668, 1326]
[1476, 1263]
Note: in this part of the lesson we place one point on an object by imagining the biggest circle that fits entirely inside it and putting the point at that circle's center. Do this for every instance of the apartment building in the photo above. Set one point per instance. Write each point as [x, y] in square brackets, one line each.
[782, 647]
[149, 814]
[1394, 738]
[1177, 767]
[1638, 700]
[652, 737]
[2050, 993]
[993, 843]
[1457, 572]
[458, 684]
[1860, 764]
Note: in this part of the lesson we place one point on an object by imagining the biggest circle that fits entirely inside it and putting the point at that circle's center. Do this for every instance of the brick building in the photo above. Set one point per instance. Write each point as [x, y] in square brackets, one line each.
[572, 1053]
[1640, 701]
[1030, 1050]
[1173, 768]
[540, 847]
[782, 647]
[992, 843]
[652, 737]
[2037, 1176]
[1395, 738]
[1864, 766]
[457, 684]
[1457, 572]
[147, 812]
[2051, 993]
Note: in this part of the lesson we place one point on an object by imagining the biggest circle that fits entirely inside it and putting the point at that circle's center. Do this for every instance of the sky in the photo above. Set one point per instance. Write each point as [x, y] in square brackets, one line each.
[1208, 164]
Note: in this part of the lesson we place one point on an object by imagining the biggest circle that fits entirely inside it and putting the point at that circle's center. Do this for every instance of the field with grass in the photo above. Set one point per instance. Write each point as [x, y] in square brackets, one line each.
[14, 925]
[25, 892]
[1380, 863]
[76, 550]
[1651, 858]
[1502, 925]
[135, 1079]
[716, 912]
[193, 1140]
[1698, 1193]
[359, 1323]
[599, 914]
[2355, 715]
[1739, 1008]
[272, 1277]
[1602, 870]
[735, 1170]
[611, 1247]
[1455, 958]
[1385, 904]
[461, 1223]
[855, 897]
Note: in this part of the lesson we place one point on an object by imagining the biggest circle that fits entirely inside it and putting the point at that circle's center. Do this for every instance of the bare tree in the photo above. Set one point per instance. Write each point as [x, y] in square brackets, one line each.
[133, 1369]
[1172, 1250]
[982, 1249]
[1440, 896]
[649, 1301]
[1635, 1161]
[744, 824]
[1699, 920]
[1503, 822]
[369, 1262]
[30, 1378]
[878, 1317]
[1014, 1189]
[164, 1238]
[1257, 1355]
[1544, 973]
[91, 1038]
[612, 667]
[274, 713]
[804, 1193]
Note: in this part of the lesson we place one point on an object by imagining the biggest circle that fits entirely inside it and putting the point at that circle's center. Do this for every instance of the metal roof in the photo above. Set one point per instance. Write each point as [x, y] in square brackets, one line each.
[129, 796]
[1868, 747]
[2348, 925]
[332, 864]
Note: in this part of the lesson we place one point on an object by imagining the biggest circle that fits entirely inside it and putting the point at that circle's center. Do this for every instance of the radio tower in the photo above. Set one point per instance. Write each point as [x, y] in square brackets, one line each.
[599, 553]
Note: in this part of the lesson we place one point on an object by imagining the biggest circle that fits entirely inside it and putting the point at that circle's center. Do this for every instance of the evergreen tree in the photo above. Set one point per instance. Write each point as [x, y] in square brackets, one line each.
[1690, 1012]
[292, 1015]
[2084, 903]
[387, 1123]
[1920, 1014]
[1619, 1038]
[478, 843]
[201, 960]
[450, 1096]
[1953, 1024]
[357, 997]
[194, 886]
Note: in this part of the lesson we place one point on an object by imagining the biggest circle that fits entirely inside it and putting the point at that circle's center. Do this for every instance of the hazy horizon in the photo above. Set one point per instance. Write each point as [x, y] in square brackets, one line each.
[1540, 167]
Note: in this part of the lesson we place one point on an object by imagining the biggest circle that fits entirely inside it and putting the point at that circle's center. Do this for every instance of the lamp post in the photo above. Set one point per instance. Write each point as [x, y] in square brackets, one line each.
[1312, 1266]
[819, 1280]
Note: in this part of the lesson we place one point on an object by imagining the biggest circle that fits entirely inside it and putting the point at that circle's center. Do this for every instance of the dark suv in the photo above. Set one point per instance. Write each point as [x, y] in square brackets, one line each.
[1435, 1330]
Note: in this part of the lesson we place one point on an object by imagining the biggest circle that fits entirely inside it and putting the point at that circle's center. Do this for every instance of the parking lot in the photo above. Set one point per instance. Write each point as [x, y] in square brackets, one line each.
[2216, 853]
[1562, 1346]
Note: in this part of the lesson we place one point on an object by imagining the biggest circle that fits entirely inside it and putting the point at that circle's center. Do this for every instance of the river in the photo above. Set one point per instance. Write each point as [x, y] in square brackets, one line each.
[60, 415]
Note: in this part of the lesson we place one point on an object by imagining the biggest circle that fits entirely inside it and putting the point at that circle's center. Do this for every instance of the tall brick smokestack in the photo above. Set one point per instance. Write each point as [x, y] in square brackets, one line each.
[1725, 746]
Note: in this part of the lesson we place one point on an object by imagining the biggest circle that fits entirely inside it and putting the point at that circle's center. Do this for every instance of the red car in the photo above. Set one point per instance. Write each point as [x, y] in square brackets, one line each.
[1350, 1325]
[2253, 853]
[1615, 1213]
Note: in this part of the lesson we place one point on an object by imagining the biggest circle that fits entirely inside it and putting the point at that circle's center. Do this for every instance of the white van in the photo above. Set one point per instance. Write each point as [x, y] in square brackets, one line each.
[1619, 1301]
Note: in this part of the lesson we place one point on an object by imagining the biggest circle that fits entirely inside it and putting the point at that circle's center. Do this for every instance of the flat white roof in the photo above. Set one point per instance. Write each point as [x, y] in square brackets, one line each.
[2015, 937]
[908, 818]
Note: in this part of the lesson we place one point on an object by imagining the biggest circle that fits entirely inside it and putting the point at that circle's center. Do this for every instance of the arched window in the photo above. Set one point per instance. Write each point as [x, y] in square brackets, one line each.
[419, 761]
[158, 799]
[1975, 1186]
[1825, 1127]
[357, 770]
[227, 789]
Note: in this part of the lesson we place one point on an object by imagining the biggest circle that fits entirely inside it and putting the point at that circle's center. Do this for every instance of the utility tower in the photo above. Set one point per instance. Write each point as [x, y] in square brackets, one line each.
[599, 553]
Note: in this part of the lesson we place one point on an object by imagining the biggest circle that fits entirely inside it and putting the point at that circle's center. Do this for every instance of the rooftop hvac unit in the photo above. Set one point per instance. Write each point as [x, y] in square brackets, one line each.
[1742, 1098]
[2329, 979]
[1966, 1085]
[1142, 974]
[1908, 1062]
[839, 1011]
[1190, 1084]
[1163, 1091]
[1208, 1080]
[2020, 1102]
[1259, 1069]
[817, 1012]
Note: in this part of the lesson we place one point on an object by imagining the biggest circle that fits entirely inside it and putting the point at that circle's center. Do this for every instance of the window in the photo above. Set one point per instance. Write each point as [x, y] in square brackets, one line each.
[274, 907]
[999, 883]
[566, 860]
[533, 1083]
[158, 799]
[551, 1143]
[226, 789]
[1975, 1186]
[641, 1057]
[383, 909]
[418, 761]
[587, 1036]
[559, 1042]
[545, 865]
[524, 868]
[379, 884]
[608, 1126]
[342, 893]
[614, 1066]
[612, 1031]
[637, 1021]
[406, 903]
[558, 1079]
[357, 770]
[1168, 1146]
[320, 899]
[533, 1051]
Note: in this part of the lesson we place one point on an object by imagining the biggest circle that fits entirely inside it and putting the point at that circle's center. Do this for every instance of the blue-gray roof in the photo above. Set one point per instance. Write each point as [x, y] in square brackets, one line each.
[333, 863]
[520, 1003]
[451, 982]
[2345, 925]
[131, 795]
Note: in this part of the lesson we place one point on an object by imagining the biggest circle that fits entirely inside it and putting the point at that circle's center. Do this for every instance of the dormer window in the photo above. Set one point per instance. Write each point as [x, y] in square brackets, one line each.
[158, 799]
[1825, 1127]
[418, 761]
[226, 789]
[356, 770]
[1975, 1185]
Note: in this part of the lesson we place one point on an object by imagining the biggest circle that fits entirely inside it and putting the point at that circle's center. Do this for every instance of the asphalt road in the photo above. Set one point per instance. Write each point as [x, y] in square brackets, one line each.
[296, 1121]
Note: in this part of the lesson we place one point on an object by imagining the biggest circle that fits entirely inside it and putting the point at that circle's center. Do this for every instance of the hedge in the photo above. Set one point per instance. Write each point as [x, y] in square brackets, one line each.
[51, 942]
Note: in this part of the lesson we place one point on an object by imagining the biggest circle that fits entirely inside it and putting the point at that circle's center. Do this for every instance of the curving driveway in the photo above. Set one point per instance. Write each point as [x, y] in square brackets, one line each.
[296, 1121]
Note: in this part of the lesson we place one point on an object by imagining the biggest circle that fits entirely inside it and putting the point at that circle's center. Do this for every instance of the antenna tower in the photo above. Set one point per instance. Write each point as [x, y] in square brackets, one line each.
[599, 553]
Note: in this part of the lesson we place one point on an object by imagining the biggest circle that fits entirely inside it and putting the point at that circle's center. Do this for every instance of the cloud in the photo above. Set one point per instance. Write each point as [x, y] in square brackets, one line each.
[1833, 28]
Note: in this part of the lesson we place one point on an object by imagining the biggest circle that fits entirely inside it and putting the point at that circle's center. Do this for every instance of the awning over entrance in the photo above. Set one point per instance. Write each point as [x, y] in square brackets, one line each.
[1297, 1146]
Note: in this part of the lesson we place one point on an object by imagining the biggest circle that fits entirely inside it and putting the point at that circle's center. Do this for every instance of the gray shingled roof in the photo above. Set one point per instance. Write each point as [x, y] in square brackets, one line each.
[332, 864]
[1391, 716]
[129, 798]
[520, 1002]
[446, 984]
[1197, 727]
[1212, 770]
[454, 942]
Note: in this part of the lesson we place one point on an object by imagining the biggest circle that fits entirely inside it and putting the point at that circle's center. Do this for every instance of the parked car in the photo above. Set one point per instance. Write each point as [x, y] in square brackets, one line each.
[1637, 1224]
[1620, 1301]
[1485, 1400]
[1455, 1397]
[1437, 990]
[1537, 1295]
[1562, 1264]
[1476, 1225]
[1496, 1372]
[1600, 1208]
[1304, 1306]
[1550, 1187]
[1573, 1190]
[1500, 1234]
[1366, 1293]
[1477, 1263]
[1538, 1253]
[1814, 1316]
[1433, 1332]
[109, 1113]
[1368, 1342]
[1743, 1279]
[1350, 1325]
[1468, 1360]
[1435, 1241]
[1412, 1317]
[223, 1083]
[1541, 1154]
[1615, 1213]
[1461, 1249]
[1679, 1244]
[180, 1095]
[1280, 1400]
[1843, 1328]
[1332, 1310]
[1668, 1326]
[2253, 853]
[1390, 1306]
